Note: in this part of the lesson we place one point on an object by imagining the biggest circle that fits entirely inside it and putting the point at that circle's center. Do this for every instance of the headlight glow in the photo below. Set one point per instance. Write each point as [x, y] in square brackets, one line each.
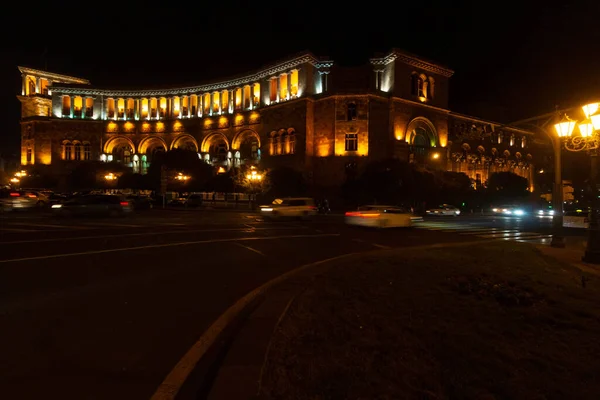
[56, 205]
[267, 209]
[519, 212]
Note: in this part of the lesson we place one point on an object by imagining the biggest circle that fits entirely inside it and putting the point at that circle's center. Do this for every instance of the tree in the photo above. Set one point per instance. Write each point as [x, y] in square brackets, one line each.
[508, 186]
[286, 181]
[184, 161]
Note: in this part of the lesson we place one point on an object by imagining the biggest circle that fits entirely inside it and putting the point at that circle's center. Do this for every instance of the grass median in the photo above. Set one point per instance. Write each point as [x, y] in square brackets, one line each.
[496, 321]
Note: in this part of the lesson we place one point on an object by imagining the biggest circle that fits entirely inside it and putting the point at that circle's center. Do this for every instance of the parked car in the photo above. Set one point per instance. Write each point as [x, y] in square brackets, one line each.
[376, 216]
[443, 210]
[94, 205]
[291, 207]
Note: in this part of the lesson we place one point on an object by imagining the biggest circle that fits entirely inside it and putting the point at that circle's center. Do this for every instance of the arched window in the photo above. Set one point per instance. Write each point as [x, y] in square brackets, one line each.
[67, 151]
[278, 144]
[77, 151]
[272, 143]
[291, 141]
[351, 111]
[87, 152]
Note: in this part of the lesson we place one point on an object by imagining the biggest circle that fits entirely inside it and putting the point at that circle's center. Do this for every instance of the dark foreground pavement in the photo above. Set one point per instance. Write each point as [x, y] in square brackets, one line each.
[103, 309]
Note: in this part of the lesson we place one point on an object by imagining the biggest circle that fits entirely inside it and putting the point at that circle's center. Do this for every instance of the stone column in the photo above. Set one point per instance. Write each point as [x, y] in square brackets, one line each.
[289, 86]
[251, 99]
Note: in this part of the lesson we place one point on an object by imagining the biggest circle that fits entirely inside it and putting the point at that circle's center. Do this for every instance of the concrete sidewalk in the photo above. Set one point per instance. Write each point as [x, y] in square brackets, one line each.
[572, 254]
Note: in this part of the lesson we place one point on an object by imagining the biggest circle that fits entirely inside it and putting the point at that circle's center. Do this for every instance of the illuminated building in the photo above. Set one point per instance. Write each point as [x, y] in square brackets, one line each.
[304, 112]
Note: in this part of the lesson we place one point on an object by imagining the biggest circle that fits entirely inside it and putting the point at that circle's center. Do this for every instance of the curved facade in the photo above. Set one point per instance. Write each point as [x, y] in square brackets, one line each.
[304, 112]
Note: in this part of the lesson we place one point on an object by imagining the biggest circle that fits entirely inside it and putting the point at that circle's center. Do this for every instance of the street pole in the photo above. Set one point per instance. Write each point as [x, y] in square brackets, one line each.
[592, 250]
[558, 239]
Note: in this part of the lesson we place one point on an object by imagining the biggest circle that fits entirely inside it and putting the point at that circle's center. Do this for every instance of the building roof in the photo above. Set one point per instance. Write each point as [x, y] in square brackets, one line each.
[51, 76]
[415, 61]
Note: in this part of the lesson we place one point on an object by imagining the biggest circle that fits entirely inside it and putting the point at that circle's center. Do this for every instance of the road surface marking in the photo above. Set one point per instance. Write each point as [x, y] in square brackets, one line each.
[380, 246]
[50, 225]
[136, 234]
[509, 234]
[171, 385]
[17, 230]
[158, 246]
[117, 225]
[251, 249]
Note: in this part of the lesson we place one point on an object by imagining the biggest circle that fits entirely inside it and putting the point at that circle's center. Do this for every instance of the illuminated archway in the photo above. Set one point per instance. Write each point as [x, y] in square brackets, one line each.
[217, 146]
[185, 142]
[150, 143]
[421, 133]
[120, 148]
[247, 143]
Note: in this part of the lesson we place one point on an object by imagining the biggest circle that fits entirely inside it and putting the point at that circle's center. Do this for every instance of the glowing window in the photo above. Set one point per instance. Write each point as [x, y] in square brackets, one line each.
[351, 142]
[77, 106]
[273, 89]
[225, 101]
[294, 83]
[176, 106]
[206, 102]
[246, 97]
[89, 107]
[256, 94]
[283, 86]
[162, 107]
[66, 106]
[216, 102]
[238, 99]
[144, 106]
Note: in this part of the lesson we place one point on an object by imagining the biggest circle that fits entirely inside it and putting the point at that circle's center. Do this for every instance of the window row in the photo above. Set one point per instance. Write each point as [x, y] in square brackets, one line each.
[422, 86]
[33, 85]
[282, 142]
[76, 151]
[512, 140]
[284, 86]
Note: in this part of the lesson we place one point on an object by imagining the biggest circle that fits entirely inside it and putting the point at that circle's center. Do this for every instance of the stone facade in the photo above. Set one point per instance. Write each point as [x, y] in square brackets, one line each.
[304, 112]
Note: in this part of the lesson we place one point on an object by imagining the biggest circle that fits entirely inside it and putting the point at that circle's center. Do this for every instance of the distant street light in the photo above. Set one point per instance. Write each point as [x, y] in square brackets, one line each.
[182, 177]
[110, 176]
[589, 141]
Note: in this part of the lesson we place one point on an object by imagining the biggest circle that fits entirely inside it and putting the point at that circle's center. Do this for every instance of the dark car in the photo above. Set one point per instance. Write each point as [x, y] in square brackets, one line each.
[140, 202]
[94, 205]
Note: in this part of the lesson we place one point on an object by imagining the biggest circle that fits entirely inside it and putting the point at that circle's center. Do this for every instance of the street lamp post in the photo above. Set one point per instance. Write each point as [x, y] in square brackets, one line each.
[588, 140]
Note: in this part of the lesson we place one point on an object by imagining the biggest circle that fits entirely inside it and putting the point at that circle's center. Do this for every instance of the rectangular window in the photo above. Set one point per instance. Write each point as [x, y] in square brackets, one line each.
[351, 142]
[273, 90]
[87, 152]
[283, 87]
[29, 156]
[89, 107]
[294, 83]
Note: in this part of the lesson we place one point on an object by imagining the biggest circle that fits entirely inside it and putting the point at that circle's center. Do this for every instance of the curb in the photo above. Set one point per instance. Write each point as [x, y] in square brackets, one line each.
[214, 335]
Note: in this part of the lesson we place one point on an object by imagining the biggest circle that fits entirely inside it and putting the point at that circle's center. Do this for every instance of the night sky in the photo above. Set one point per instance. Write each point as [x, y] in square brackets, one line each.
[512, 60]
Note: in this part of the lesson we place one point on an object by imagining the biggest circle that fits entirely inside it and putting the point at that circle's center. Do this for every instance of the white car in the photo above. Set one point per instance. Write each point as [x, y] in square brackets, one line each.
[380, 217]
[291, 207]
[576, 219]
[443, 210]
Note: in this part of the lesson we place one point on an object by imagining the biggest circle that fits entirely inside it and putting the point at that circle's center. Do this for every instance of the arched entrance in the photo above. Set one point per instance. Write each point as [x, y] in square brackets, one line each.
[150, 148]
[422, 136]
[185, 142]
[247, 146]
[216, 146]
[120, 149]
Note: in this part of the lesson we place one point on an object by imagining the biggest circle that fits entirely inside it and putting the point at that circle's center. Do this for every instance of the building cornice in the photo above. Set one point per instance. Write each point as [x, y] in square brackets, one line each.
[211, 87]
[416, 103]
[413, 61]
[496, 125]
[52, 76]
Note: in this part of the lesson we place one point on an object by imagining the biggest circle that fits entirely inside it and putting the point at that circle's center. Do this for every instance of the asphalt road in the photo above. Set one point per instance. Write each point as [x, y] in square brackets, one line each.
[104, 308]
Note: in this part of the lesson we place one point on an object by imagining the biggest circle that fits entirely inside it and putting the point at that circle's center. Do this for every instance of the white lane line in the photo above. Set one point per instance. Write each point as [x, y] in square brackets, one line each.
[116, 225]
[251, 249]
[51, 226]
[510, 234]
[141, 234]
[170, 386]
[17, 230]
[158, 246]
[380, 246]
[489, 231]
